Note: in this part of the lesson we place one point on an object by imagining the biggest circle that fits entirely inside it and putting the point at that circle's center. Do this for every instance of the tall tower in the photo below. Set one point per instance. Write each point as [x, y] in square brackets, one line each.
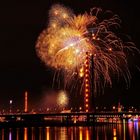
[87, 84]
[26, 102]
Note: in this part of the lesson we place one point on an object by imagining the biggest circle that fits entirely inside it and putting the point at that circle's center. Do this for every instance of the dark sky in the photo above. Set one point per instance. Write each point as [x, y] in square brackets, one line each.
[21, 69]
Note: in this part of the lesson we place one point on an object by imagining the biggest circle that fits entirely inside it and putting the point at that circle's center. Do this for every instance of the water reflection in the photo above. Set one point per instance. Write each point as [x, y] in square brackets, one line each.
[2, 134]
[136, 129]
[32, 133]
[114, 134]
[80, 133]
[124, 131]
[47, 133]
[87, 134]
[25, 134]
[17, 136]
[10, 135]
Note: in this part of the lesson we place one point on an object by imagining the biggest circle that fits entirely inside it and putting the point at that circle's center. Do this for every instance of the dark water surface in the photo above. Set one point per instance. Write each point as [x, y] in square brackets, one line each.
[124, 131]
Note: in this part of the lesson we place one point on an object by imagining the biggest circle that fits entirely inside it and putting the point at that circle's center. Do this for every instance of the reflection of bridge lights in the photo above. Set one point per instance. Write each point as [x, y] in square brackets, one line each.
[47, 133]
[87, 134]
[25, 134]
[81, 133]
[114, 134]
[10, 135]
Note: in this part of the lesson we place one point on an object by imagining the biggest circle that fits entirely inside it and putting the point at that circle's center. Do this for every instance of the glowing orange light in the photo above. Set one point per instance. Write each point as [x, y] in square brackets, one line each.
[81, 74]
[114, 132]
[86, 105]
[86, 100]
[81, 70]
[86, 110]
[56, 12]
[65, 15]
[90, 54]
[54, 25]
[87, 85]
[94, 37]
[64, 33]
[87, 90]
[110, 49]
[86, 95]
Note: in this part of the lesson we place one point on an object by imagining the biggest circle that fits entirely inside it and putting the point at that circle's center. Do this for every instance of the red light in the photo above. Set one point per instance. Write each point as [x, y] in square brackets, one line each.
[87, 85]
[86, 100]
[86, 95]
[87, 90]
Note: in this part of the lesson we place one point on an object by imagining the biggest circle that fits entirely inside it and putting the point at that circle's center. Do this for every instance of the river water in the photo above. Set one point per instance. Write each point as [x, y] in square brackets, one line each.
[124, 131]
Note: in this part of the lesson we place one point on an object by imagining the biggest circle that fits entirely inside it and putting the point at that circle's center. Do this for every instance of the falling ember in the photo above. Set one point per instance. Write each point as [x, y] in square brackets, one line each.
[68, 37]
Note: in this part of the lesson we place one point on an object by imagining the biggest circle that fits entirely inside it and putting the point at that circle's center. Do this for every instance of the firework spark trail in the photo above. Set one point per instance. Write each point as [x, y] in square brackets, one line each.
[68, 37]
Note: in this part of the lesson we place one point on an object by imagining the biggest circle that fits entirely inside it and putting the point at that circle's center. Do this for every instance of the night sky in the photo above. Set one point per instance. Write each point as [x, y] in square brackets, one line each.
[21, 69]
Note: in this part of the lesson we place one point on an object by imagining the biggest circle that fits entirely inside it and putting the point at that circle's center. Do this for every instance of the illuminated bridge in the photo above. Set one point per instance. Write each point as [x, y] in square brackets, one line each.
[56, 119]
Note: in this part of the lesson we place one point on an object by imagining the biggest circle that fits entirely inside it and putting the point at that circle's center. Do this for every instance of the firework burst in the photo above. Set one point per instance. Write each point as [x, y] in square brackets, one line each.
[62, 99]
[68, 37]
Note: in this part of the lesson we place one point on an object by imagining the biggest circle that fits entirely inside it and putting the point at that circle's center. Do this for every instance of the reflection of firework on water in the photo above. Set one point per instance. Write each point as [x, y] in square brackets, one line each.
[62, 99]
[64, 43]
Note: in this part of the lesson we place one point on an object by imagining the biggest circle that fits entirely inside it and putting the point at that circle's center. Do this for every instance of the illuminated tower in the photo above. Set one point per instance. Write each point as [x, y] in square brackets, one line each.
[26, 102]
[87, 84]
